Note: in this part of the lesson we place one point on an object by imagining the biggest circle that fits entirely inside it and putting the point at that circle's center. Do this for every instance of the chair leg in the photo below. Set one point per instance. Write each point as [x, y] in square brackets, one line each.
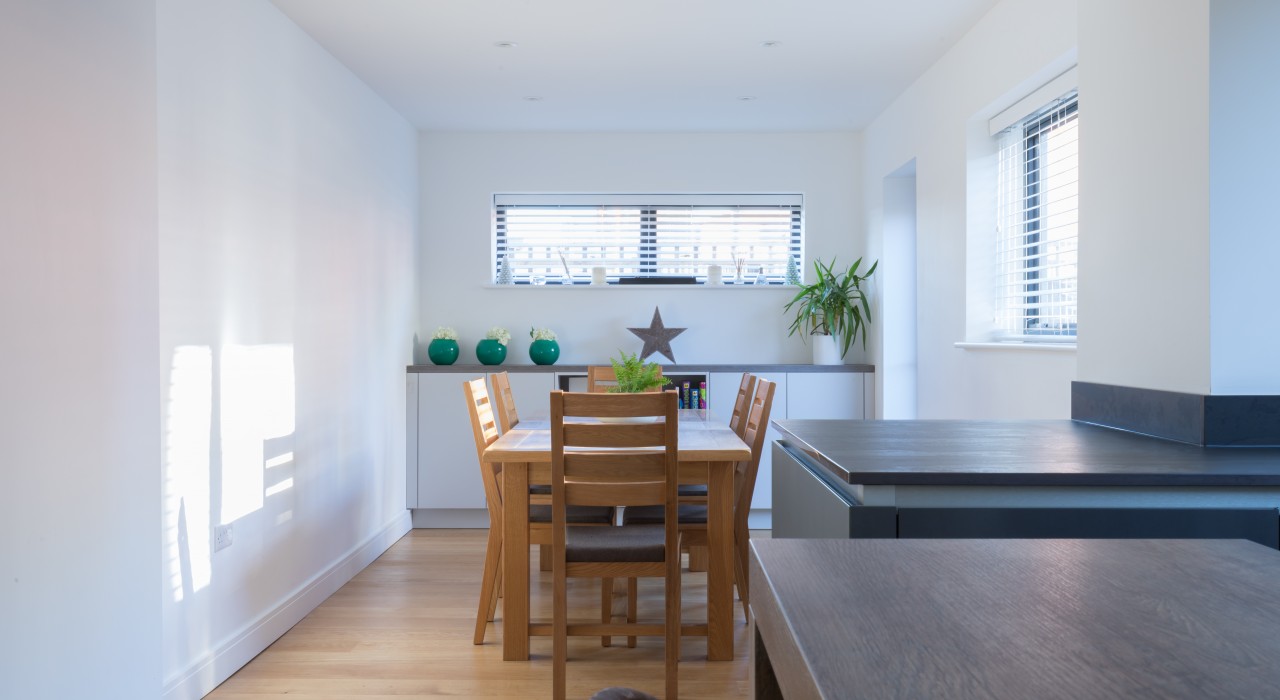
[672, 629]
[560, 636]
[699, 558]
[632, 606]
[740, 577]
[497, 590]
[606, 607]
[488, 584]
[544, 557]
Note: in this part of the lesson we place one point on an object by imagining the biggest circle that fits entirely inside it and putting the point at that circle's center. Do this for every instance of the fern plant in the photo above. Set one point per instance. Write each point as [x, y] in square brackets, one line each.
[635, 376]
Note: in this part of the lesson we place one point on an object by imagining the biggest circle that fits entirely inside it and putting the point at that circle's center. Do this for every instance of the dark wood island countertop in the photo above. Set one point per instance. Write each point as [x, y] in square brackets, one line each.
[1014, 619]
[1019, 453]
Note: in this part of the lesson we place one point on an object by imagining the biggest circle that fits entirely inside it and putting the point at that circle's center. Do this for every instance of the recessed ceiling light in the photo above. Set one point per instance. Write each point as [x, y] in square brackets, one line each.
[770, 44]
[505, 44]
[747, 98]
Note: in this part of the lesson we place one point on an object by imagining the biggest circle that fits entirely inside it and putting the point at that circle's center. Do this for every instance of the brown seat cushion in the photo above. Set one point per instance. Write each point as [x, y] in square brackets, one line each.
[628, 543]
[652, 515]
[575, 514]
[692, 490]
[540, 489]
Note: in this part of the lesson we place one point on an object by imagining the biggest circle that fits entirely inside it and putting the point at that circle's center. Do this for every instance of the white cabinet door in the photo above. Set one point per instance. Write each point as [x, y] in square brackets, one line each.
[532, 392]
[724, 387]
[839, 395]
[448, 473]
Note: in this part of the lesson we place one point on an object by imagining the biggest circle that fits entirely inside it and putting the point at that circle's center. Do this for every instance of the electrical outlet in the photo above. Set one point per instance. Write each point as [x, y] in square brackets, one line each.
[221, 536]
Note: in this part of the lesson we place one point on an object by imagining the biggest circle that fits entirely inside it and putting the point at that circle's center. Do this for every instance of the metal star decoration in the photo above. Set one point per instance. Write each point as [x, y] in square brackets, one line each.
[657, 338]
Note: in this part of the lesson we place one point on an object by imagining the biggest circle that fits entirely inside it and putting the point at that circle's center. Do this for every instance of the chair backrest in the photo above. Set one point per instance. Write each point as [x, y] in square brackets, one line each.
[504, 404]
[588, 469]
[600, 378]
[742, 403]
[485, 431]
[753, 433]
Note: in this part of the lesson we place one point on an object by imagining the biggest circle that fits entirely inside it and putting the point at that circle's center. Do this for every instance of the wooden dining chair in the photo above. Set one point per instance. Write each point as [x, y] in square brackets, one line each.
[484, 428]
[693, 517]
[588, 469]
[741, 403]
[504, 404]
[601, 377]
[697, 493]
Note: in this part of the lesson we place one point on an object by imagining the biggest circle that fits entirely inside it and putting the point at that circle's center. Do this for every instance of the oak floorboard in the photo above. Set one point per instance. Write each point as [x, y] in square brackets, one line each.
[402, 628]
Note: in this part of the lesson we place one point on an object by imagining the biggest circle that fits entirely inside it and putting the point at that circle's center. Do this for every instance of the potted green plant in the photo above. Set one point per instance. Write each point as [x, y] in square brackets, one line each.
[443, 349]
[493, 349]
[635, 376]
[833, 309]
[544, 350]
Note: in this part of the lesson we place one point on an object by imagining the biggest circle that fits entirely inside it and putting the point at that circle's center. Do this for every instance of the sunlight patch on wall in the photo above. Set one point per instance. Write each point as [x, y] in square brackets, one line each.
[186, 470]
[257, 402]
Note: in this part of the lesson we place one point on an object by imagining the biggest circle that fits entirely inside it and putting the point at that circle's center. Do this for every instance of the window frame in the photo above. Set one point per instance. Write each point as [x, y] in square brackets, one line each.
[648, 241]
[1033, 129]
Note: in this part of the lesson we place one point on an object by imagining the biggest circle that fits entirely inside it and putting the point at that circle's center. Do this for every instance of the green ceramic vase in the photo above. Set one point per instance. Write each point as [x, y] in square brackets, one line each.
[443, 351]
[490, 352]
[544, 352]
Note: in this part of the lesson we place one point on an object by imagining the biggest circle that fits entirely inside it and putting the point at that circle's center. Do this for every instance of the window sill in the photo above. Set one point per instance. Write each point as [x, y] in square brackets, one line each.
[1019, 346]
[781, 287]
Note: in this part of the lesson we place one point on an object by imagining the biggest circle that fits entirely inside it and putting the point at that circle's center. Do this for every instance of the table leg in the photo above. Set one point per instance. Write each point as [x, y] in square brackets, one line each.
[515, 562]
[720, 566]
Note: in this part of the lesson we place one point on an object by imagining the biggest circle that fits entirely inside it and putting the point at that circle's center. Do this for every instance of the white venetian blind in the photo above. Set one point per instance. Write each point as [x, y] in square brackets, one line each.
[1038, 194]
[554, 238]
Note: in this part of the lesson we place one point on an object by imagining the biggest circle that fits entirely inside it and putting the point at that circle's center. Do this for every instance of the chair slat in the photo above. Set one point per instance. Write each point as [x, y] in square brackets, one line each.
[594, 494]
[613, 434]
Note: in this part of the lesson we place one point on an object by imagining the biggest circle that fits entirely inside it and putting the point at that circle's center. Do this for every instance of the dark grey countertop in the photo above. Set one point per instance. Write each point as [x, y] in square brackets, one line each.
[1017, 619]
[666, 369]
[1019, 453]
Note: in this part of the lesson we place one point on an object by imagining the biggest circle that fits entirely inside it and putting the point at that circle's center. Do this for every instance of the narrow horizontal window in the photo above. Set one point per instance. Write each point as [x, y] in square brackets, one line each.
[561, 239]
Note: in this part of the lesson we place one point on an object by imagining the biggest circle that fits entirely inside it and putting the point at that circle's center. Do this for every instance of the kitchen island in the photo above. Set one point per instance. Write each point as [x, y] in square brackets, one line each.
[1015, 619]
[1015, 479]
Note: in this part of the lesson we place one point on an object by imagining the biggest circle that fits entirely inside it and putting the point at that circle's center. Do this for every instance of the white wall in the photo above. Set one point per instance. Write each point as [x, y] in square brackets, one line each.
[288, 213]
[79, 426]
[896, 388]
[1244, 62]
[460, 172]
[1148, 233]
[990, 68]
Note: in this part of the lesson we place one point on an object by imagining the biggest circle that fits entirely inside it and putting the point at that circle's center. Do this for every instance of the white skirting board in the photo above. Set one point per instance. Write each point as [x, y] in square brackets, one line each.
[202, 676]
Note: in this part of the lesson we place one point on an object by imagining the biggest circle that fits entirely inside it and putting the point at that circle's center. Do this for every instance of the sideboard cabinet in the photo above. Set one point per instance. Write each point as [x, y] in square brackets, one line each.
[443, 478]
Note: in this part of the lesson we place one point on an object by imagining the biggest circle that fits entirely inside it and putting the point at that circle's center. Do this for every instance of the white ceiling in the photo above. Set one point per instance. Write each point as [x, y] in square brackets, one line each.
[657, 65]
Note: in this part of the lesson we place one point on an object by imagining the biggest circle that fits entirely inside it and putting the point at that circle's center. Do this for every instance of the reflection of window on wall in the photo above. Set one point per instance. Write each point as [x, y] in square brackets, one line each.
[559, 238]
[1037, 199]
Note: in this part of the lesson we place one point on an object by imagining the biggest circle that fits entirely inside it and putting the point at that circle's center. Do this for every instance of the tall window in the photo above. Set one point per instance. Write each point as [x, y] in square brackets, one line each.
[558, 239]
[1038, 191]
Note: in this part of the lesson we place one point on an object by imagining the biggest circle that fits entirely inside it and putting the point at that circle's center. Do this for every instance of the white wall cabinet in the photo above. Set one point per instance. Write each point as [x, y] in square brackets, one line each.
[443, 475]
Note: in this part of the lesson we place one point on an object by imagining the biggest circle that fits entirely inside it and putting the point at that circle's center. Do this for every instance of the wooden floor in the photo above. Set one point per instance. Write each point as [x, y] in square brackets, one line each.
[402, 628]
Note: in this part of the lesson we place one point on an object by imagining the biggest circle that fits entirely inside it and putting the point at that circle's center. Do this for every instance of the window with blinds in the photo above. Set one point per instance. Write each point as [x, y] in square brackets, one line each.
[1038, 193]
[559, 239]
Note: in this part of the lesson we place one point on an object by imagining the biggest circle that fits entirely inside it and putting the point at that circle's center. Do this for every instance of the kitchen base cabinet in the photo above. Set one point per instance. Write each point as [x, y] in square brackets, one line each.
[443, 478]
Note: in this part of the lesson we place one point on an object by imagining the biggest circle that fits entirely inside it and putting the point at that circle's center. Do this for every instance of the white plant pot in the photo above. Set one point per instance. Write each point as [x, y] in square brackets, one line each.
[826, 350]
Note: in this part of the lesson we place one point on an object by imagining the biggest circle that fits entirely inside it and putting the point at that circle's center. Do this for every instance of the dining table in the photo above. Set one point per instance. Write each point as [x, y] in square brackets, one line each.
[708, 453]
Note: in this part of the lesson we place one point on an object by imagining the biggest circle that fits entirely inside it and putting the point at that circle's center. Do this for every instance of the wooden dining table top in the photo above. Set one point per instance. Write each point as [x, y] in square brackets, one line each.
[703, 438]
